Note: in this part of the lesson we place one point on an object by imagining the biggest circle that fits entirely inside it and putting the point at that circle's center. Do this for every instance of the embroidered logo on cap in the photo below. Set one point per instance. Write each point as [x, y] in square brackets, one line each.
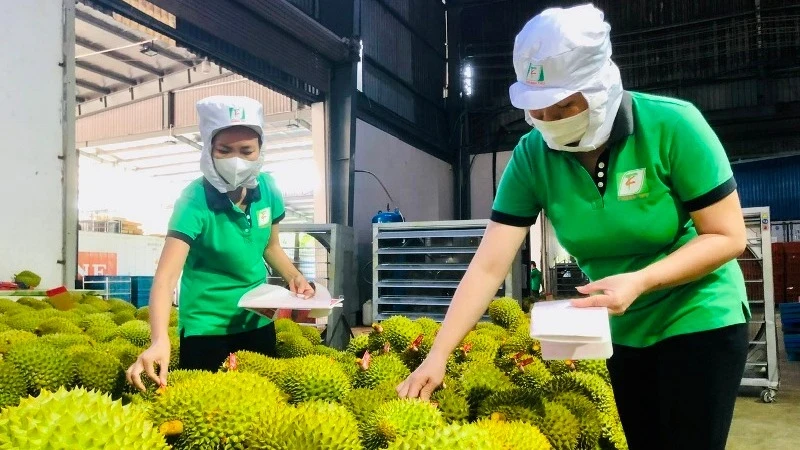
[236, 114]
[535, 74]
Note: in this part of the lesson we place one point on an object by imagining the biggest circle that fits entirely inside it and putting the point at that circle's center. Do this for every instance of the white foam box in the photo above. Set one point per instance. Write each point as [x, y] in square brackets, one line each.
[568, 332]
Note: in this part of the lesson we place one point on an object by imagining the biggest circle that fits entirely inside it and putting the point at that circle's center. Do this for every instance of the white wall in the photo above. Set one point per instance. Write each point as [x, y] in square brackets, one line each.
[421, 185]
[33, 93]
[481, 183]
[135, 255]
[481, 196]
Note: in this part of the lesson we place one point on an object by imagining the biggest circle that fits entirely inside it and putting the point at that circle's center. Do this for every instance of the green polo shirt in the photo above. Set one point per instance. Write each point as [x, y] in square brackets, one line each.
[226, 254]
[662, 162]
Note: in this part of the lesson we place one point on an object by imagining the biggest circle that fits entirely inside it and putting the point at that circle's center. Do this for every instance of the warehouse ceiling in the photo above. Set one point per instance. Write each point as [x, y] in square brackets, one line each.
[121, 64]
[113, 54]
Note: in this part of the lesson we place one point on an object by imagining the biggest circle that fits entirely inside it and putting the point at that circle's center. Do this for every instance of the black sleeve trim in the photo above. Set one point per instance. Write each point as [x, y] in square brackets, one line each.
[278, 219]
[711, 197]
[514, 221]
[182, 236]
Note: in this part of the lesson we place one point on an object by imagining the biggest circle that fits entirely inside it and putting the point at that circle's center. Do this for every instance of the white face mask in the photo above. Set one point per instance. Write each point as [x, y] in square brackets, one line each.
[236, 171]
[559, 133]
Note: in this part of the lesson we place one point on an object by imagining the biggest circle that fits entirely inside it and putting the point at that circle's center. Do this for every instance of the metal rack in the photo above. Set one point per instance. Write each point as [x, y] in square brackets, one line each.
[330, 261]
[761, 369]
[417, 266]
[566, 277]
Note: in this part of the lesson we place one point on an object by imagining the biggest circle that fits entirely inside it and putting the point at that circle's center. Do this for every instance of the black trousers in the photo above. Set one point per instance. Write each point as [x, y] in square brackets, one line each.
[679, 394]
[209, 352]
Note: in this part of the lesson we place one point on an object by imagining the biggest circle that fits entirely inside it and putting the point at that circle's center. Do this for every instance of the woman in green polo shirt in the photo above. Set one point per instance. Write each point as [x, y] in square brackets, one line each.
[222, 231]
[639, 190]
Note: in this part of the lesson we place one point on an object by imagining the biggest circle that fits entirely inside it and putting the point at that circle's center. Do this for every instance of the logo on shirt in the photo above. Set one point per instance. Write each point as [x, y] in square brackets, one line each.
[236, 114]
[630, 183]
[535, 74]
[265, 217]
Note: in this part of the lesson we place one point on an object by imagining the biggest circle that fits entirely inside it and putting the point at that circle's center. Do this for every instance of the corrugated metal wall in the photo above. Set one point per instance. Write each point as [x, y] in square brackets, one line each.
[404, 65]
[185, 101]
[307, 6]
[140, 117]
[774, 183]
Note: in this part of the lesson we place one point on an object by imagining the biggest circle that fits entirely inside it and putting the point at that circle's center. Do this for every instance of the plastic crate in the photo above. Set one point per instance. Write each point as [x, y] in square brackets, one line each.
[790, 317]
[112, 286]
[140, 290]
[792, 344]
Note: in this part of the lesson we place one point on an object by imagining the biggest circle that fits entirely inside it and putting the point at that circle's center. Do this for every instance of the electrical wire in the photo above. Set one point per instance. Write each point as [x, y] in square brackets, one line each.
[380, 182]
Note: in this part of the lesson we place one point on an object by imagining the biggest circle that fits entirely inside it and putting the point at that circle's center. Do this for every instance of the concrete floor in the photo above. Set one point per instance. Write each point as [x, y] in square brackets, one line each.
[769, 426]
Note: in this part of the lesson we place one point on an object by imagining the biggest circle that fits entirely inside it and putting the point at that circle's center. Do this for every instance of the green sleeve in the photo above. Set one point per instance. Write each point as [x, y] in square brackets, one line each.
[276, 199]
[186, 222]
[699, 168]
[516, 203]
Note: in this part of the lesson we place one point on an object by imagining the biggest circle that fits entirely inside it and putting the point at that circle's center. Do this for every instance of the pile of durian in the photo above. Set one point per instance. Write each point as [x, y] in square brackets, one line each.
[62, 386]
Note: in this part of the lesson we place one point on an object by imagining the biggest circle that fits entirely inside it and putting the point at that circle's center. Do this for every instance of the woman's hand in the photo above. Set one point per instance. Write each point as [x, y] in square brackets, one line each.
[301, 287]
[157, 353]
[616, 292]
[423, 381]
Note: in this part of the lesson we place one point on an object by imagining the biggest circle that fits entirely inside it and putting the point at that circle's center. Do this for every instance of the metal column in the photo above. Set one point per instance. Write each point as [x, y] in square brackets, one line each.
[341, 102]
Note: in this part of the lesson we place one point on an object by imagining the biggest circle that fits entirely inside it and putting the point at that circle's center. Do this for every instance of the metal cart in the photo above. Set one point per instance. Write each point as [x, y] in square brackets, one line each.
[761, 369]
[417, 266]
[330, 261]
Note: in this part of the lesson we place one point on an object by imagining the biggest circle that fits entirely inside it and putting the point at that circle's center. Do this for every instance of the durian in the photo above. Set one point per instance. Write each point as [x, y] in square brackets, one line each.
[505, 312]
[373, 371]
[589, 418]
[515, 435]
[322, 425]
[215, 410]
[57, 325]
[451, 437]
[314, 377]
[312, 334]
[292, 345]
[96, 370]
[28, 279]
[77, 418]
[12, 385]
[137, 332]
[397, 418]
[452, 404]
[400, 331]
[248, 361]
[287, 325]
[358, 345]
[42, 365]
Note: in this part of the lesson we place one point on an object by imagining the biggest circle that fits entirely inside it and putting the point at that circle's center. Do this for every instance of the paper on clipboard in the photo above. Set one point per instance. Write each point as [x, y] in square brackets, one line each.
[269, 296]
[568, 332]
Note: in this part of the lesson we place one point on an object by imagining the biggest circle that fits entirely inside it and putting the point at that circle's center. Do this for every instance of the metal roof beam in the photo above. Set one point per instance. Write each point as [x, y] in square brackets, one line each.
[92, 87]
[137, 148]
[164, 155]
[298, 24]
[121, 57]
[105, 72]
[162, 166]
[120, 31]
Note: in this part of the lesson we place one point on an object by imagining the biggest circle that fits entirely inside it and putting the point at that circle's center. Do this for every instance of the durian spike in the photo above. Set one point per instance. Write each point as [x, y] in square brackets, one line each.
[363, 362]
